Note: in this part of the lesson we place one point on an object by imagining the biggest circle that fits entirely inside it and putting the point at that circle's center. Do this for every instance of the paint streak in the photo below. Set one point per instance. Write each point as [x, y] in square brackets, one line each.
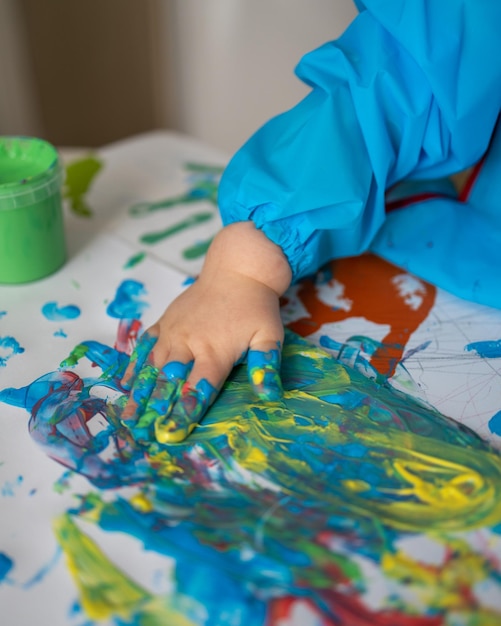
[44, 571]
[55, 313]
[495, 423]
[105, 591]
[8, 348]
[293, 498]
[375, 290]
[203, 183]
[197, 250]
[6, 564]
[486, 349]
[134, 260]
[189, 222]
[80, 175]
[127, 303]
[2, 314]
[60, 333]
[203, 186]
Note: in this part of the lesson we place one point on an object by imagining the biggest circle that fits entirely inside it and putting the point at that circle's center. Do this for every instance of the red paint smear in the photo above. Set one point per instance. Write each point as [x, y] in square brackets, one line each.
[127, 333]
[351, 612]
[346, 611]
[280, 609]
[367, 281]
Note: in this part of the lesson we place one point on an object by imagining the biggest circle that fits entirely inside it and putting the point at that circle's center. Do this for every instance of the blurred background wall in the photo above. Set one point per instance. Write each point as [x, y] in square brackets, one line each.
[87, 73]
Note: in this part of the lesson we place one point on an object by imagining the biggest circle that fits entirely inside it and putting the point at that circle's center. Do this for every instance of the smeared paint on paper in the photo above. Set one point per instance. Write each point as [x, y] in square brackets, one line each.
[394, 298]
[134, 260]
[189, 222]
[9, 347]
[80, 175]
[486, 349]
[56, 313]
[6, 565]
[307, 496]
[203, 182]
[127, 303]
[495, 423]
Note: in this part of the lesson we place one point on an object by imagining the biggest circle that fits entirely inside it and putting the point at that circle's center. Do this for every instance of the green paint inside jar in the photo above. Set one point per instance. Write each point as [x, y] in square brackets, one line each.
[32, 242]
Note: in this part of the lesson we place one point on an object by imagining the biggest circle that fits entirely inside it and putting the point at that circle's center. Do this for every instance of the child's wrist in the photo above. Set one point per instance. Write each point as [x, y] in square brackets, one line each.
[242, 248]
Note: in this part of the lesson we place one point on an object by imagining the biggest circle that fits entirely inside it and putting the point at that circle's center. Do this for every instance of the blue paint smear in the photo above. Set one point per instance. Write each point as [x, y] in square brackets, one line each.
[43, 571]
[495, 423]
[2, 313]
[55, 313]
[60, 333]
[486, 349]
[6, 564]
[127, 303]
[8, 348]
[9, 487]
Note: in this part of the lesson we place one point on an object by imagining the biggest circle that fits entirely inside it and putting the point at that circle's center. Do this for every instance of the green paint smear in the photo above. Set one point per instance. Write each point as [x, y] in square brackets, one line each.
[106, 591]
[201, 168]
[75, 355]
[197, 250]
[204, 187]
[189, 222]
[79, 176]
[338, 468]
[135, 260]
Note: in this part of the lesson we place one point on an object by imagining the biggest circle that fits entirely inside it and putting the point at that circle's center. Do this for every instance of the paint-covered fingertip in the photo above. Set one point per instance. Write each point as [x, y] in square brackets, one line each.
[174, 434]
[270, 394]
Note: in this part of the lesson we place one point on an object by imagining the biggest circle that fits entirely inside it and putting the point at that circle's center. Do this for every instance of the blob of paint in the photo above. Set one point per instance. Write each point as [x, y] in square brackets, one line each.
[79, 177]
[55, 313]
[8, 348]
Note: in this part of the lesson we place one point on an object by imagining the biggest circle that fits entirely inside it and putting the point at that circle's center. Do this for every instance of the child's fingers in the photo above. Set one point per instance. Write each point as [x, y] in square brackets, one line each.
[263, 369]
[189, 408]
[138, 358]
[167, 388]
[193, 400]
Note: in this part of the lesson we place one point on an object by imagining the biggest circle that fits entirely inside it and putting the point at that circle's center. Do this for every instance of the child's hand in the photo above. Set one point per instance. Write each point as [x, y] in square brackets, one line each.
[229, 313]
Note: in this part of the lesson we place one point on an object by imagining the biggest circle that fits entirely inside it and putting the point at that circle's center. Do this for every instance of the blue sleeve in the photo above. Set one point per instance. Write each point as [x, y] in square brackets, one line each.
[411, 89]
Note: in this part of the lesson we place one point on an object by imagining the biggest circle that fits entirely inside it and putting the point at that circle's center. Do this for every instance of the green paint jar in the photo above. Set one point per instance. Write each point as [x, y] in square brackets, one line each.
[32, 242]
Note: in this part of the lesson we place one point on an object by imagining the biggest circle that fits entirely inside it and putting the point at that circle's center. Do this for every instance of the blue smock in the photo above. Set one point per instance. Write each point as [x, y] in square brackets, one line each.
[410, 92]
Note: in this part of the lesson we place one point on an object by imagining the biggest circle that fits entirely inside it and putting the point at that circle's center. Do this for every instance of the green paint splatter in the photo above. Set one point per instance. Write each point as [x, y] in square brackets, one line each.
[134, 260]
[79, 176]
[193, 220]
